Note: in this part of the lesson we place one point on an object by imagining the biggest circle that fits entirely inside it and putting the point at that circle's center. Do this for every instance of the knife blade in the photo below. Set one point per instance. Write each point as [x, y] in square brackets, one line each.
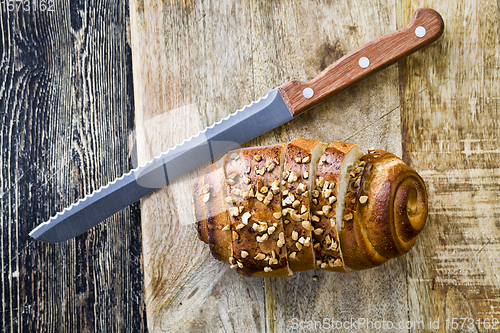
[279, 106]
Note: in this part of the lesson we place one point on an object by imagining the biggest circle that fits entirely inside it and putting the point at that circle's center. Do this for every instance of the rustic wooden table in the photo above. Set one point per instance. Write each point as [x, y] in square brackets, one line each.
[71, 117]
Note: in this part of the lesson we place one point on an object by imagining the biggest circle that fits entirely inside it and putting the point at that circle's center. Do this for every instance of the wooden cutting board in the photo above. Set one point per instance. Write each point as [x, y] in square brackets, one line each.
[195, 62]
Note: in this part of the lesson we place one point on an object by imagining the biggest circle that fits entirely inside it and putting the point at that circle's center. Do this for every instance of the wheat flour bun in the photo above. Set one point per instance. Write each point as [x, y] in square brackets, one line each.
[254, 199]
[301, 159]
[385, 210]
[218, 225]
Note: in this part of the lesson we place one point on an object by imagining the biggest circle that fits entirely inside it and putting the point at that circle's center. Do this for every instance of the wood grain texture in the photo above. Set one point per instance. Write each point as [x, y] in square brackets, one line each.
[380, 53]
[66, 107]
[196, 62]
[450, 132]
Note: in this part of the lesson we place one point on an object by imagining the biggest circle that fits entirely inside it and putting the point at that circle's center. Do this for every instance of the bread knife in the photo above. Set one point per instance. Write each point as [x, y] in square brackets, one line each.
[279, 106]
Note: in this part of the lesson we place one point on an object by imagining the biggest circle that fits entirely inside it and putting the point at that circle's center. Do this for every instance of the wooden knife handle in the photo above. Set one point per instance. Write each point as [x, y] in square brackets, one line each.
[425, 27]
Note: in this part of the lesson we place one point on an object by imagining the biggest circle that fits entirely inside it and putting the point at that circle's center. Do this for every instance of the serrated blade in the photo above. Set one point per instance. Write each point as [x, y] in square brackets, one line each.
[245, 124]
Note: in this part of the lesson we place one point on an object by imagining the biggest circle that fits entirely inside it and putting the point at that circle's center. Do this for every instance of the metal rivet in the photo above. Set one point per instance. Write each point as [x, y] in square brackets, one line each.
[420, 31]
[364, 62]
[307, 92]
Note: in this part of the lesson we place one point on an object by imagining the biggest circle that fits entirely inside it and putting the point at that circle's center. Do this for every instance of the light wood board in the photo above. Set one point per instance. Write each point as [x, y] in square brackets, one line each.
[195, 62]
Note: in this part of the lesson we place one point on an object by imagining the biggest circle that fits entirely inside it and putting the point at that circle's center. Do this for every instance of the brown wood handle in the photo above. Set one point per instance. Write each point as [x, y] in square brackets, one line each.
[425, 27]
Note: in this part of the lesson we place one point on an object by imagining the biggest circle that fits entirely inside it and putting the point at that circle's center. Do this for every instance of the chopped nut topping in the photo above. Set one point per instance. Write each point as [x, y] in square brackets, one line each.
[306, 175]
[231, 199]
[273, 261]
[358, 170]
[332, 199]
[315, 218]
[318, 263]
[326, 209]
[226, 227]
[267, 269]
[232, 260]
[285, 192]
[315, 193]
[324, 265]
[327, 193]
[319, 212]
[241, 208]
[260, 196]
[205, 189]
[295, 235]
[260, 171]
[258, 158]
[292, 255]
[298, 159]
[296, 204]
[269, 196]
[240, 264]
[240, 226]
[270, 230]
[206, 197]
[236, 235]
[307, 242]
[260, 256]
[348, 216]
[293, 177]
[248, 169]
[233, 266]
[333, 223]
[246, 180]
[264, 189]
[270, 168]
[280, 243]
[277, 215]
[286, 221]
[303, 209]
[301, 188]
[318, 231]
[306, 159]
[233, 211]
[299, 246]
[302, 240]
[230, 181]
[358, 182]
[235, 156]
[306, 225]
[295, 216]
[362, 163]
[315, 201]
[246, 216]
[320, 181]
[244, 254]
[363, 199]
[262, 238]
[317, 246]
[266, 201]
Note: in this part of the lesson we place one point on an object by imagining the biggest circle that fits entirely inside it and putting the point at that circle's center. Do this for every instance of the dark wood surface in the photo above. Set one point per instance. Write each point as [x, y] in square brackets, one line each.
[67, 117]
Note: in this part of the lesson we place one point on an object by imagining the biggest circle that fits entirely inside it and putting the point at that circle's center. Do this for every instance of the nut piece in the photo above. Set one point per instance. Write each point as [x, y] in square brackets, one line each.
[363, 199]
[258, 158]
[267, 269]
[234, 211]
[306, 159]
[205, 189]
[295, 235]
[348, 216]
[260, 256]
[246, 216]
[244, 254]
[206, 197]
[277, 215]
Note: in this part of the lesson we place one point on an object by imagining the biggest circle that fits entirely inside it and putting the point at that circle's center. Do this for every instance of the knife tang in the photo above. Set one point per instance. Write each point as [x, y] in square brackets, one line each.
[425, 27]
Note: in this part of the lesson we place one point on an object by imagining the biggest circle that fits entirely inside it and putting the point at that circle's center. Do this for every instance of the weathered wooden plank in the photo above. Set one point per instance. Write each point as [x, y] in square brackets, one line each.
[192, 66]
[211, 58]
[66, 110]
[450, 130]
